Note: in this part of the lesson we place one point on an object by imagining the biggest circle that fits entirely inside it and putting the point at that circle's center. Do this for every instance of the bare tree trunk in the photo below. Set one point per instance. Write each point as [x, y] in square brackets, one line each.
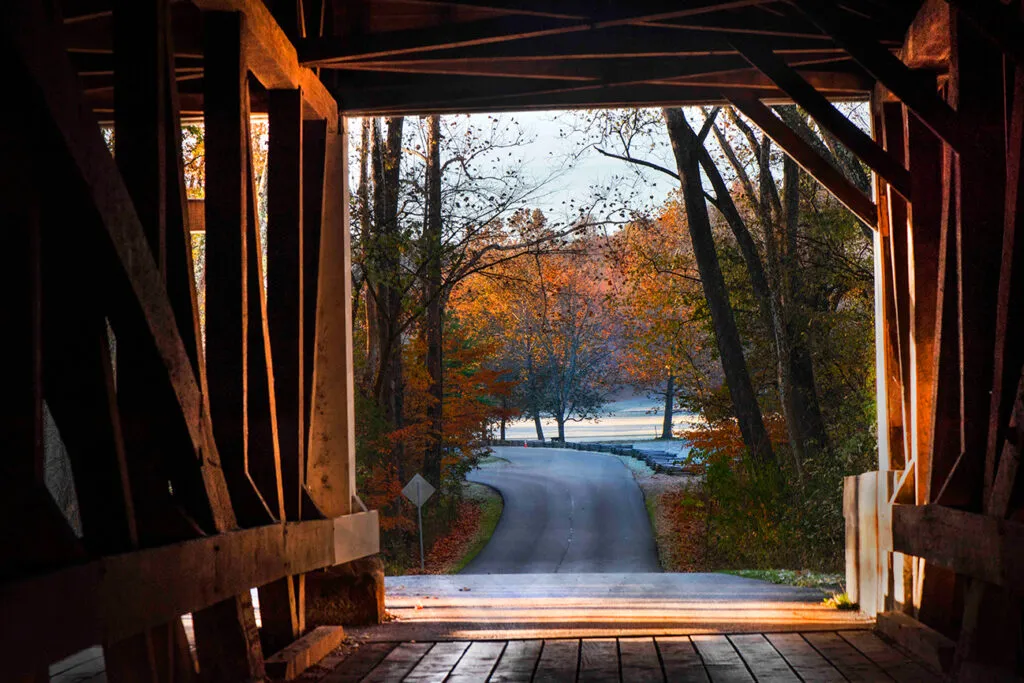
[670, 397]
[686, 147]
[388, 387]
[773, 287]
[538, 426]
[370, 139]
[805, 394]
[780, 327]
[434, 324]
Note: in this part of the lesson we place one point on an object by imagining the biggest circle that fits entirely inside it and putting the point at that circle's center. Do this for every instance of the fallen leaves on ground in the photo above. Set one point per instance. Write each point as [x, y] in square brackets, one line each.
[450, 548]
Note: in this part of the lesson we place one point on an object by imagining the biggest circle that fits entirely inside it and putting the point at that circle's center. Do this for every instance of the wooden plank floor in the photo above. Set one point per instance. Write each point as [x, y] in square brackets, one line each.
[763, 657]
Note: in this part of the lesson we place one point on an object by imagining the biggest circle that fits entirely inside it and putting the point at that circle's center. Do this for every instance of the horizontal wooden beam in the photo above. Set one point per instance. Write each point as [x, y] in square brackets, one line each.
[812, 162]
[975, 545]
[115, 597]
[693, 16]
[273, 60]
[618, 43]
[825, 113]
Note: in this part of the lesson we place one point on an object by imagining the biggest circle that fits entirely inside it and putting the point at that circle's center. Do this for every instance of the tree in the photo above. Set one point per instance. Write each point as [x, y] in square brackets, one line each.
[687, 146]
[653, 292]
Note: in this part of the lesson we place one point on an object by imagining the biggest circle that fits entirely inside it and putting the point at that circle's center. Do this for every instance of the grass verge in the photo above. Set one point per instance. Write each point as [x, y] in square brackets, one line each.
[477, 515]
[491, 505]
[829, 584]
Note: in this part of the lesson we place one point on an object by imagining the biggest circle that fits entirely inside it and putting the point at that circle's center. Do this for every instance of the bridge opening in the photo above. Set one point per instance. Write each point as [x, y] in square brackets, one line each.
[174, 445]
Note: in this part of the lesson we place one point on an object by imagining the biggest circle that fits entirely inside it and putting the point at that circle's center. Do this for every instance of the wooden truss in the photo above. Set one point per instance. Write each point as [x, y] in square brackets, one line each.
[202, 468]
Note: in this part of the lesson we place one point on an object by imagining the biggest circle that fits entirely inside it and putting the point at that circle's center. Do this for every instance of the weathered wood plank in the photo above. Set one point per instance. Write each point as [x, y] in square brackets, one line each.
[845, 658]
[284, 284]
[721, 660]
[330, 462]
[639, 660]
[102, 600]
[304, 652]
[932, 648]
[976, 545]
[517, 662]
[802, 153]
[891, 660]
[438, 663]
[681, 661]
[804, 659]
[767, 665]
[398, 663]
[924, 156]
[359, 663]
[976, 86]
[558, 661]
[599, 660]
[478, 662]
[227, 204]
[273, 59]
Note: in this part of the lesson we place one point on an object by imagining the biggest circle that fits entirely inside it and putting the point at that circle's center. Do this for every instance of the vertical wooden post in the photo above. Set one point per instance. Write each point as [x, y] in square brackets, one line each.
[888, 394]
[330, 466]
[314, 140]
[140, 74]
[281, 603]
[976, 90]
[924, 156]
[897, 284]
[144, 123]
[227, 641]
[285, 275]
[228, 189]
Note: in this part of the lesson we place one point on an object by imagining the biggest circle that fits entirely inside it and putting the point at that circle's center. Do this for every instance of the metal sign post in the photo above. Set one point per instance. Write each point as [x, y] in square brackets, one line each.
[418, 490]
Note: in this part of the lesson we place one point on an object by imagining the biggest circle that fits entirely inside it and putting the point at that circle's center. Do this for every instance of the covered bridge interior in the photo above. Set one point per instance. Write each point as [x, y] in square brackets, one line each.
[208, 464]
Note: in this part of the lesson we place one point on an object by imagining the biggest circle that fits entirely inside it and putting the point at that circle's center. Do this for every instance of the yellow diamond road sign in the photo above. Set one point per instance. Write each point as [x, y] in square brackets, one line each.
[418, 490]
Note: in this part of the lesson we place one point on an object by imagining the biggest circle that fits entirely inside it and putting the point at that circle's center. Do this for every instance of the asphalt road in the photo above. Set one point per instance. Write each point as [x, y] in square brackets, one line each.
[565, 511]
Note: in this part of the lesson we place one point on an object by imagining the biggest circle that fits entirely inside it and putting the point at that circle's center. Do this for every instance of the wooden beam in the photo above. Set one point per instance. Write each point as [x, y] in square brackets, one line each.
[285, 284]
[314, 141]
[976, 86]
[619, 43]
[1008, 354]
[914, 91]
[227, 204]
[140, 73]
[928, 645]
[841, 188]
[972, 544]
[140, 296]
[304, 652]
[326, 51]
[924, 157]
[106, 600]
[272, 58]
[998, 22]
[330, 465]
[824, 112]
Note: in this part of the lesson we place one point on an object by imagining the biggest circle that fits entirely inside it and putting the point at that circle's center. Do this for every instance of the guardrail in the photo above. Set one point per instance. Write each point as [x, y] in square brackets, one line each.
[659, 461]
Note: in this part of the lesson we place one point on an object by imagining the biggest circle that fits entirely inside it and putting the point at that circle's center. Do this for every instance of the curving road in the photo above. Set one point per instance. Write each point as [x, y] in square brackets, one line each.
[565, 511]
